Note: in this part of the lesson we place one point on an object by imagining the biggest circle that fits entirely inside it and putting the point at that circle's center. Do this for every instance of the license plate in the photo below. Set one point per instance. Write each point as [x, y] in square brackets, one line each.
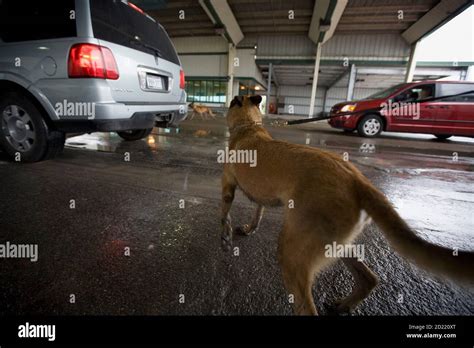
[154, 82]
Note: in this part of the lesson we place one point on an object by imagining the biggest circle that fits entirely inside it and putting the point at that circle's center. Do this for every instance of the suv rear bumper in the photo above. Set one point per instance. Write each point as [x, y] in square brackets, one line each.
[119, 117]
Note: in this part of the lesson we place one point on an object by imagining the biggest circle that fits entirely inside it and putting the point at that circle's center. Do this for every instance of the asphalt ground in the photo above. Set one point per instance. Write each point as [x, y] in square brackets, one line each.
[114, 234]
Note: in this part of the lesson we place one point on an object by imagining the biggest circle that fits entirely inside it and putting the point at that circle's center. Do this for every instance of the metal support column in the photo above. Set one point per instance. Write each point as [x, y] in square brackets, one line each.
[269, 88]
[351, 83]
[230, 71]
[411, 63]
[325, 99]
[315, 79]
[469, 73]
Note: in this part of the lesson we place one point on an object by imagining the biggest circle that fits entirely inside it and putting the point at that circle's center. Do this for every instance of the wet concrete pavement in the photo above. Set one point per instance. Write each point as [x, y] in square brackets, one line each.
[175, 253]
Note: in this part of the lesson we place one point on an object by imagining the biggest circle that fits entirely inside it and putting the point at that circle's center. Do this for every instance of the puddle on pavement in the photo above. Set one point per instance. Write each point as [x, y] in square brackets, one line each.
[111, 142]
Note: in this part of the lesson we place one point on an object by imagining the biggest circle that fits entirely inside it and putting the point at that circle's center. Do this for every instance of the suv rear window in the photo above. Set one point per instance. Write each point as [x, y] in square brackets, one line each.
[117, 22]
[36, 20]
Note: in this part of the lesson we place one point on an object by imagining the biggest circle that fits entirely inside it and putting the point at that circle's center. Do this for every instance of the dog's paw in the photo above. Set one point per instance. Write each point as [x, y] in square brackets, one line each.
[244, 230]
[339, 307]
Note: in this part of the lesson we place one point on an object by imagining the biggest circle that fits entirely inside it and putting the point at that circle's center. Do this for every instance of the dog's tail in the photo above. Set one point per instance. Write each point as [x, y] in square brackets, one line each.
[210, 112]
[457, 265]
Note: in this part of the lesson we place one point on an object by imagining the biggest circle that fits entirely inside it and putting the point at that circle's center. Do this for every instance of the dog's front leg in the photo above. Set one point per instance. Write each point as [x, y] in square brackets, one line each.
[253, 227]
[228, 191]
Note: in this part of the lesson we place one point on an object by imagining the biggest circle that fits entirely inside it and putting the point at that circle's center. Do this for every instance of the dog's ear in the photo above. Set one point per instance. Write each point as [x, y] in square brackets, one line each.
[236, 101]
[256, 99]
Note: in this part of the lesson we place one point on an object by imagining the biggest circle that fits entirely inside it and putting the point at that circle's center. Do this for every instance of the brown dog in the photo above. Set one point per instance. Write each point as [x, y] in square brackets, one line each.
[201, 110]
[327, 200]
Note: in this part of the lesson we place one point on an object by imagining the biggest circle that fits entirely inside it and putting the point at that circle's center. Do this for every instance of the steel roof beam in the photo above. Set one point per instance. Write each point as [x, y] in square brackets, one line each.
[223, 18]
[433, 19]
[326, 16]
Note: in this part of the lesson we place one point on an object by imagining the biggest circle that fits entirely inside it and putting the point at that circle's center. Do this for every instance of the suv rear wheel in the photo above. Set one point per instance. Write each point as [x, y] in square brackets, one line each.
[370, 126]
[136, 134]
[24, 134]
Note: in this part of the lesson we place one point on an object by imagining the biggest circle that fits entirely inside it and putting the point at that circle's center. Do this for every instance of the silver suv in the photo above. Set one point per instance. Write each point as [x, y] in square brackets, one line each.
[83, 66]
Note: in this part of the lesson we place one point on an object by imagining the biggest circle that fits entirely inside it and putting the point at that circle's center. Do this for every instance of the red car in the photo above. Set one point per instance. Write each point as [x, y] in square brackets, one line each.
[416, 107]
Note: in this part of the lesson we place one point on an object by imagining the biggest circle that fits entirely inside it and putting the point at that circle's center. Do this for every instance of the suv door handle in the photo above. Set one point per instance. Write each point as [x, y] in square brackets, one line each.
[444, 107]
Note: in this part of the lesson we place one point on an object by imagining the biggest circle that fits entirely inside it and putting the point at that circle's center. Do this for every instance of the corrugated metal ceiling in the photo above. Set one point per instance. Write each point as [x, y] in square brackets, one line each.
[272, 16]
[382, 16]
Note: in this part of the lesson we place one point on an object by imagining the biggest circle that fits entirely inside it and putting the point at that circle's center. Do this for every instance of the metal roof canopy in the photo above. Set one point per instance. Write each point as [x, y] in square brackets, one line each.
[272, 17]
[316, 19]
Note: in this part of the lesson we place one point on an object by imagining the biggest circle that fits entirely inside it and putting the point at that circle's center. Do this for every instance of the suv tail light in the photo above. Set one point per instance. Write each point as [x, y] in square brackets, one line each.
[136, 8]
[89, 60]
[182, 81]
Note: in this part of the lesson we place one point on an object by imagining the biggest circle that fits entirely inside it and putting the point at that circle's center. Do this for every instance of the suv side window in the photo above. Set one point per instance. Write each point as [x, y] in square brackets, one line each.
[416, 93]
[456, 88]
[36, 20]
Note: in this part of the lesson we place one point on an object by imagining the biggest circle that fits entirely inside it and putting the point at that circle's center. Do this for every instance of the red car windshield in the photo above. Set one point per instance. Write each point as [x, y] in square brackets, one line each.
[386, 92]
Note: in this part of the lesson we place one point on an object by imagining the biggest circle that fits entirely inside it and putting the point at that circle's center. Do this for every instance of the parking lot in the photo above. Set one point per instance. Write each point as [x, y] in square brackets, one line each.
[134, 227]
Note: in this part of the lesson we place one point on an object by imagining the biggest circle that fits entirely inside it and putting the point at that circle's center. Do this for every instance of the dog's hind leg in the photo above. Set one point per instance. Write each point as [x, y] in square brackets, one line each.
[246, 229]
[365, 281]
[228, 192]
[299, 263]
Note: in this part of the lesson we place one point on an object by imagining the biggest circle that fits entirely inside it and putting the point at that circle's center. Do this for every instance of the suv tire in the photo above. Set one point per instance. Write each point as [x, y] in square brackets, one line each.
[136, 134]
[24, 134]
[370, 126]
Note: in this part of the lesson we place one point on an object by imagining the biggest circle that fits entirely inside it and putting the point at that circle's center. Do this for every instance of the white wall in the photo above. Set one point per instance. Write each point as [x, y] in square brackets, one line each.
[285, 45]
[247, 66]
[300, 96]
[200, 44]
[207, 57]
[366, 47]
[204, 65]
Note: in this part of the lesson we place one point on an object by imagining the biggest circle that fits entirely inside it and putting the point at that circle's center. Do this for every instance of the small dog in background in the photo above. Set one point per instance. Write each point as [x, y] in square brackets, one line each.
[202, 111]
